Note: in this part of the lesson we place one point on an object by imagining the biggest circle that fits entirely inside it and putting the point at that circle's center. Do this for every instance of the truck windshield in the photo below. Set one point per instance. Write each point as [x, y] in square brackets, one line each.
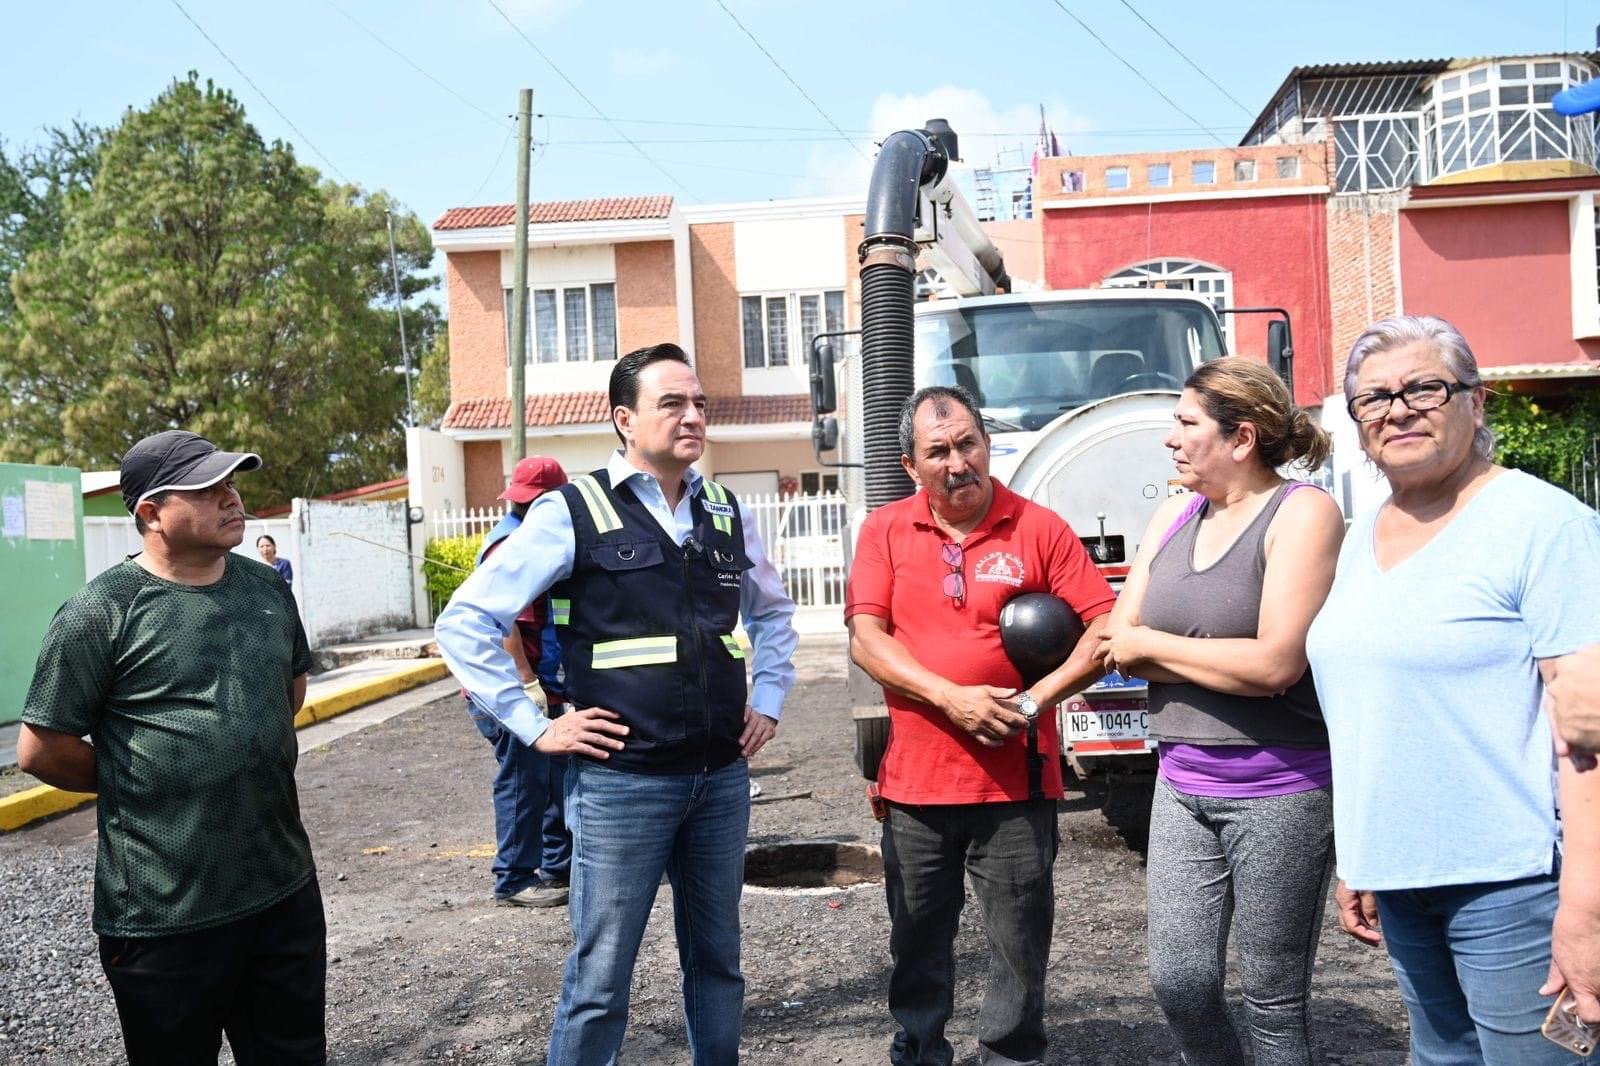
[1028, 362]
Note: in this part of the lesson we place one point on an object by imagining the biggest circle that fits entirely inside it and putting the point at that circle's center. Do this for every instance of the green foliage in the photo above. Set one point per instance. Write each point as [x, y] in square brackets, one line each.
[206, 280]
[460, 552]
[432, 391]
[1543, 435]
[35, 184]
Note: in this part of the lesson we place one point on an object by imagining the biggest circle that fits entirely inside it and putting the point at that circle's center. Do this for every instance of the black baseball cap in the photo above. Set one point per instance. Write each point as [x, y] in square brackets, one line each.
[177, 460]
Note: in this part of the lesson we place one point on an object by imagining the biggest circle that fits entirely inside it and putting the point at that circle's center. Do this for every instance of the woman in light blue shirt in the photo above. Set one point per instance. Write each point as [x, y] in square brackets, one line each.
[1454, 603]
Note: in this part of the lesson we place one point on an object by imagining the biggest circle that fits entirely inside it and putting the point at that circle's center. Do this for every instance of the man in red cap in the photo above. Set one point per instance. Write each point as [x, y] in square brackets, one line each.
[534, 848]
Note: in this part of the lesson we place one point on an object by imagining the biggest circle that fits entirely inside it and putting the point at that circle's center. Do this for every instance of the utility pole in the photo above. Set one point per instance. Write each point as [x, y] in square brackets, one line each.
[519, 283]
[400, 313]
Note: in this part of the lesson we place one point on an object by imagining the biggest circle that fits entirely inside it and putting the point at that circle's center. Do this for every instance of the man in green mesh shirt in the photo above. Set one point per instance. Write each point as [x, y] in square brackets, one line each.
[185, 665]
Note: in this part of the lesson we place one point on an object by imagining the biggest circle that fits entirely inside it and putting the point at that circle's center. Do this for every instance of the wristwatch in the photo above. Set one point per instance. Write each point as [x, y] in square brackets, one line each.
[1028, 706]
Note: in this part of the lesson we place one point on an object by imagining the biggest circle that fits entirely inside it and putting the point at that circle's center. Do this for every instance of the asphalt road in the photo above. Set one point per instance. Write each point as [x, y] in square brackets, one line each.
[424, 966]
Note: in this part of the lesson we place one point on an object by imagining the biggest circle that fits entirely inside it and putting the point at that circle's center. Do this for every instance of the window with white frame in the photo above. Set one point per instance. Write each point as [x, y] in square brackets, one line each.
[1185, 275]
[1378, 153]
[778, 328]
[1160, 175]
[1500, 112]
[1116, 178]
[1204, 172]
[1287, 166]
[569, 323]
[1244, 170]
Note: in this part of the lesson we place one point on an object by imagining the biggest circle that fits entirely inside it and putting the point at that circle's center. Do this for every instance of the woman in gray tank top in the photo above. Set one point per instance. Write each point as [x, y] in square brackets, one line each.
[1214, 616]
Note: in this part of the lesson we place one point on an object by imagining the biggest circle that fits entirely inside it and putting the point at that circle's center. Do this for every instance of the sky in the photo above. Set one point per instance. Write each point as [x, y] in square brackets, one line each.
[418, 98]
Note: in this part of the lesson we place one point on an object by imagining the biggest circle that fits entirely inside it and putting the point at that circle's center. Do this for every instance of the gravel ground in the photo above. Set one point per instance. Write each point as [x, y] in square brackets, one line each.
[424, 966]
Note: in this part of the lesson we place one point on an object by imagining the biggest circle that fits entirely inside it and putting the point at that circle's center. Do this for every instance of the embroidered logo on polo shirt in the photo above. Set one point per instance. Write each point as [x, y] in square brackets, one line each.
[999, 566]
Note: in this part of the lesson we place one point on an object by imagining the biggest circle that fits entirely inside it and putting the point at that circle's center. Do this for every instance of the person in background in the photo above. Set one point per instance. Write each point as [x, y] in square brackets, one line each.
[931, 574]
[1454, 601]
[267, 548]
[533, 847]
[1214, 616]
[185, 665]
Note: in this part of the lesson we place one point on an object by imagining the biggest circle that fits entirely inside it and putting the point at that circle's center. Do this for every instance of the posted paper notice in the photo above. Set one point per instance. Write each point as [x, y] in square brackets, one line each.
[48, 510]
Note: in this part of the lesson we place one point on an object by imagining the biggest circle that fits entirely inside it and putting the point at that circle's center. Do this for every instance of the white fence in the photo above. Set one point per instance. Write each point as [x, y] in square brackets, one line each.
[1584, 478]
[351, 574]
[472, 522]
[108, 541]
[803, 535]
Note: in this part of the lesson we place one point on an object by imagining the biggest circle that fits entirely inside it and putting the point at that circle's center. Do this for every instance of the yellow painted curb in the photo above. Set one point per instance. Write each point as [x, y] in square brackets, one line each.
[41, 801]
[361, 693]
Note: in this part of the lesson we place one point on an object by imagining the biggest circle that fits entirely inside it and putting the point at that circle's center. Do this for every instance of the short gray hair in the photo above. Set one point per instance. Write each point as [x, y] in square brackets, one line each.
[941, 395]
[1446, 341]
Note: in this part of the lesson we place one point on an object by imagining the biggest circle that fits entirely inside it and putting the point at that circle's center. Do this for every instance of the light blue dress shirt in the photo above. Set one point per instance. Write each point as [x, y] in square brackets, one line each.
[539, 553]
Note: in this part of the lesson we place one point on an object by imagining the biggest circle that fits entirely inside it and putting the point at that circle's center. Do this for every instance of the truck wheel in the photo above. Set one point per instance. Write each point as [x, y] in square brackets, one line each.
[872, 737]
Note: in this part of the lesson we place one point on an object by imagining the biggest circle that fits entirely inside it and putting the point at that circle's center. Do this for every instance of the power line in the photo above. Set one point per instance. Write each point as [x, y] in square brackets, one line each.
[304, 139]
[492, 170]
[1137, 72]
[791, 80]
[413, 65]
[833, 140]
[1186, 59]
[1143, 131]
[573, 86]
[579, 147]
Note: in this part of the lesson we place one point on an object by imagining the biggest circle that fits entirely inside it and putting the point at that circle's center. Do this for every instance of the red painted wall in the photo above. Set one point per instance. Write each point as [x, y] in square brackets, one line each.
[1499, 273]
[1275, 248]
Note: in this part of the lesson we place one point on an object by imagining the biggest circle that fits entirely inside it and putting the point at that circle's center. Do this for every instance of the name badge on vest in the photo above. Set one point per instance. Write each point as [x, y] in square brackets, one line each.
[722, 510]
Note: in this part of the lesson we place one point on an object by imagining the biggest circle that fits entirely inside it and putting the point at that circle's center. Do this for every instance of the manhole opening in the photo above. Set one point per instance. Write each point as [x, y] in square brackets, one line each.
[812, 864]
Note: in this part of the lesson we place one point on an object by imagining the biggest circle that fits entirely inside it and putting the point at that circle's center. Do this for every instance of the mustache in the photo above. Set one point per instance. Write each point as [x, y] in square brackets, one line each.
[956, 481]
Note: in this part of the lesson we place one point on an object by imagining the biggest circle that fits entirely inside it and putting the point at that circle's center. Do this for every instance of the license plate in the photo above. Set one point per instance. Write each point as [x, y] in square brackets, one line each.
[1106, 725]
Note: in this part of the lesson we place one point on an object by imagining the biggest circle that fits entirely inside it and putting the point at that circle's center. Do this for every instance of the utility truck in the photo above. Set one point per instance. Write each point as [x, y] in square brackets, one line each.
[1076, 387]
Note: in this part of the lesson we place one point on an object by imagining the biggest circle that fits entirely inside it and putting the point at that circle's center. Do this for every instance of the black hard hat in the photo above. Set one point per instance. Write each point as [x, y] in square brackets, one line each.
[1038, 631]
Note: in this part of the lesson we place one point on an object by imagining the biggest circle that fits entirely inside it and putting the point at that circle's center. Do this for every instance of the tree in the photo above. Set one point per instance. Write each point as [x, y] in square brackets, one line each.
[432, 393]
[34, 189]
[208, 281]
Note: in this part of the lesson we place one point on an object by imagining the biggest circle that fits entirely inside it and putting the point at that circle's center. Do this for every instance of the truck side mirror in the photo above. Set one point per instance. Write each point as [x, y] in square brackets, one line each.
[824, 393]
[824, 434]
[1280, 351]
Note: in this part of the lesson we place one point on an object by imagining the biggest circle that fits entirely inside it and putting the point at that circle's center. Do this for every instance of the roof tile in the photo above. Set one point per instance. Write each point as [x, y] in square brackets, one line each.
[611, 209]
[589, 408]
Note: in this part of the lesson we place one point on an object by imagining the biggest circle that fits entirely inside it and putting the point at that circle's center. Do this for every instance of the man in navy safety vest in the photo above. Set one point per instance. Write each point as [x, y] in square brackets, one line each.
[649, 567]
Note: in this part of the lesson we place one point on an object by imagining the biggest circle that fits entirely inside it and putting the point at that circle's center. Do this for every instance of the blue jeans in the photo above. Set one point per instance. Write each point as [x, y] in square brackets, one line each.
[627, 829]
[1470, 960]
[530, 832]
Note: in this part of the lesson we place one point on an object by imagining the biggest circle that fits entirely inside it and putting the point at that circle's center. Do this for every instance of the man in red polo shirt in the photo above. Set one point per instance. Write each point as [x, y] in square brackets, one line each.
[930, 575]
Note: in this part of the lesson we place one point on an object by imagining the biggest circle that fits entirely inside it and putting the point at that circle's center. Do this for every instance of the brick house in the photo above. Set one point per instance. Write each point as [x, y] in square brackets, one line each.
[1446, 187]
[742, 287]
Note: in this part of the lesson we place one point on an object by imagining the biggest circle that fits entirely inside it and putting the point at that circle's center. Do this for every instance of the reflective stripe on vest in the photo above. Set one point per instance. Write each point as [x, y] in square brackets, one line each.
[560, 611]
[732, 646]
[601, 512]
[635, 651]
[718, 496]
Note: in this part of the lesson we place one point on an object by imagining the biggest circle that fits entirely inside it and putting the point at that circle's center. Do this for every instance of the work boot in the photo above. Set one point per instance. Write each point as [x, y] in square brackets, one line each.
[539, 894]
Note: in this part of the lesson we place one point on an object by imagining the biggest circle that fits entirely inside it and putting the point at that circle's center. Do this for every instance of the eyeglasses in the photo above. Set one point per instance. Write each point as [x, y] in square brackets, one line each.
[1418, 396]
[955, 585]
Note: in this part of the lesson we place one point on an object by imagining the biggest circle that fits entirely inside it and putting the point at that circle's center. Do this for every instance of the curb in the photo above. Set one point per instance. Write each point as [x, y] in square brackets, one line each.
[360, 693]
[42, 801]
